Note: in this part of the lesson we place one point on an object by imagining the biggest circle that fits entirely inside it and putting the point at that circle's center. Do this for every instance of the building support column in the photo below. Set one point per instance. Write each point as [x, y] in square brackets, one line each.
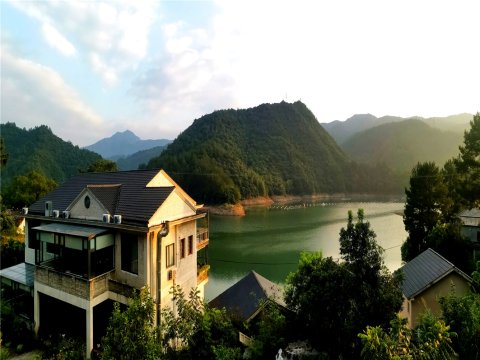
[89, 329]
[36, 310]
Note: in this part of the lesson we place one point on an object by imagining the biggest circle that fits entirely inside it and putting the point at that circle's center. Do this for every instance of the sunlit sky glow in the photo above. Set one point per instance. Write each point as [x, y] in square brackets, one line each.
[88, 68]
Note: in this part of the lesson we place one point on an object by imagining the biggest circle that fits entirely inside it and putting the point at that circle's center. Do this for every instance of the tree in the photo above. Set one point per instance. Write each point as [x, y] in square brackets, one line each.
[196, 331]
[431, 339]
[269, 333]
[468, 164]
[25, 190]
[334, 300]
[102, 165]
[131, 333]
[425, 207]
[462, 314]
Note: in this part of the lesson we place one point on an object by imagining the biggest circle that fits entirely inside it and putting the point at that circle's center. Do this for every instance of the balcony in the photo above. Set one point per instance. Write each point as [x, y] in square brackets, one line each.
[202, 238]
[73, 284]
[202, 274]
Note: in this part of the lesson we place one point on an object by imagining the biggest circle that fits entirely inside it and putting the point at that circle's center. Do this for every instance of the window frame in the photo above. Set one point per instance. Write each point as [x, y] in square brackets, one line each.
[182, 248]
[169, 255]
[190, 245]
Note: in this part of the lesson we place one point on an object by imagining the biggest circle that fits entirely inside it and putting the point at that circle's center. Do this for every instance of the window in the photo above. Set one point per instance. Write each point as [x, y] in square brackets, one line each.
[129, 247]
[182, 248]
[190, 245]
[170, 254]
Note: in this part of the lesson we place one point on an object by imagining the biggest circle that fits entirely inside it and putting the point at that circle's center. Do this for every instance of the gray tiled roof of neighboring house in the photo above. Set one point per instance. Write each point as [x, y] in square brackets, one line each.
[130, 197]
[425, 270]
[244, 298]
[475, 213]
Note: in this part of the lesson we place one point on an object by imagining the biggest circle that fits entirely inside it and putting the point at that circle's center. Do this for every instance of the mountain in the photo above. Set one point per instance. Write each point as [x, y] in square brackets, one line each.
[39, 149]
[132, 162]
[266, 150]
[341, 131]
[401, 145]
[122, 144]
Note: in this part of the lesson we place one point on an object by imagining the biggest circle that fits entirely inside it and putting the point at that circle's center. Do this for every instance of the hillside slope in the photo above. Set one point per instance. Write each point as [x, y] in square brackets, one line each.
[132, 162]
[123, 144]
[401, 145]
[341, 131]
[267, 150]
[39, 149]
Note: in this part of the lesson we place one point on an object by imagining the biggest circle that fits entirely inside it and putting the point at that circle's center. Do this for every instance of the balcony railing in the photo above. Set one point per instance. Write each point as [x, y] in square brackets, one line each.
[202, 274]
[73, 284]
[202, 238]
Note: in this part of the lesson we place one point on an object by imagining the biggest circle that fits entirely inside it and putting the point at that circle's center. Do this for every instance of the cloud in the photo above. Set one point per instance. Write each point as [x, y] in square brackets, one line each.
[33, 94]
[57, 40]
[185, 82]
[112, 37]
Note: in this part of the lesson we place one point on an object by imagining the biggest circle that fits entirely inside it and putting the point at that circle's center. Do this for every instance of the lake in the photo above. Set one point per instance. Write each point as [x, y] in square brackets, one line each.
[269, 240]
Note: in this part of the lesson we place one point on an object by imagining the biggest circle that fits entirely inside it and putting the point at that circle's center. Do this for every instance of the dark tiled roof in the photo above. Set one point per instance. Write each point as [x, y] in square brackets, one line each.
[426, 269]
[108, 195]
[134, 201]
[244, 298]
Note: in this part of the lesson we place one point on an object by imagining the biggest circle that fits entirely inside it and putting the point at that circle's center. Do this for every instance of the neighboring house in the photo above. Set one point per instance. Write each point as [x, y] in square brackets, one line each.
[245, 299]
[471, 229]
[99, 236]
[427, 278]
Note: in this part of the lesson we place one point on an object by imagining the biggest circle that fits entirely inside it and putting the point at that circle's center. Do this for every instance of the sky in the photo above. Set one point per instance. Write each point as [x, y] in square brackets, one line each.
[88, 69]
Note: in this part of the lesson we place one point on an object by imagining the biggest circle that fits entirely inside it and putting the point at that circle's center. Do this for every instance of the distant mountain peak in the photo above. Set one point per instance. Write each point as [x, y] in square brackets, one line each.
[124, 143]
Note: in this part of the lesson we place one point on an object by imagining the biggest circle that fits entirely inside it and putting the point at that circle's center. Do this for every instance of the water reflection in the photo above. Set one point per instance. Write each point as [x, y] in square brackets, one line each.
[269, 241]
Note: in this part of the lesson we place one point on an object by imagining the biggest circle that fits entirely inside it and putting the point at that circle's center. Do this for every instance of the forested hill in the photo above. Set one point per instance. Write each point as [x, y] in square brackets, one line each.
[403, 144]
[267, 150]
[39, 149]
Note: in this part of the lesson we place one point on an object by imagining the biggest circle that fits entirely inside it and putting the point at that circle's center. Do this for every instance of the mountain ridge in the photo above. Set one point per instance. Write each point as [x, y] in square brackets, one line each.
[123, 144]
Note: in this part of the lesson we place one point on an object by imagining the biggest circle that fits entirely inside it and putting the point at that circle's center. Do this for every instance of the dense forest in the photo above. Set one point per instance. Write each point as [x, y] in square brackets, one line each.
[40, 150]
[403, 144]
[272, 149]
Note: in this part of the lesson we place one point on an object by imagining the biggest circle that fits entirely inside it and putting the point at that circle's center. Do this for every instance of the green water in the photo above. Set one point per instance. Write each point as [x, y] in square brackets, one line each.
[269, 241]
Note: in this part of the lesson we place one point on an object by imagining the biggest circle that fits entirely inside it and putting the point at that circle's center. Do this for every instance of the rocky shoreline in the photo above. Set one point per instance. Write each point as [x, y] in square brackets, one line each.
[239, 209]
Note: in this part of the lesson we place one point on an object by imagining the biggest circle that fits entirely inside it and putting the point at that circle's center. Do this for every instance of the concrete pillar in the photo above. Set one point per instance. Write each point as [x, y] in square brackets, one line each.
[89, 329]
[36, 310]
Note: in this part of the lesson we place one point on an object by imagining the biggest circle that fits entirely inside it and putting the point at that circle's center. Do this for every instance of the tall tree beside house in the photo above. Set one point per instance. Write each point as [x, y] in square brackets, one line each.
[424, 207]
[334, 300]
[131, 333]
[468, 164]
[25, 190]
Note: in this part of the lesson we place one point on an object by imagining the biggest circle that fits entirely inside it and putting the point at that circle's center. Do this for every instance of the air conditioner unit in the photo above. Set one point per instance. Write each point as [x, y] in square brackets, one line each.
[171, 275]
[117, 219]
[25, 211]
[66, 214]
[48, 208]
[56, 213]
[106, 218]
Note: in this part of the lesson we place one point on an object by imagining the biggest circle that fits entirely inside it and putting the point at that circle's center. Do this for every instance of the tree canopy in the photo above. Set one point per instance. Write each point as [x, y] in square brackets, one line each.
[334, 300]
[468, 164]
[25, 190]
